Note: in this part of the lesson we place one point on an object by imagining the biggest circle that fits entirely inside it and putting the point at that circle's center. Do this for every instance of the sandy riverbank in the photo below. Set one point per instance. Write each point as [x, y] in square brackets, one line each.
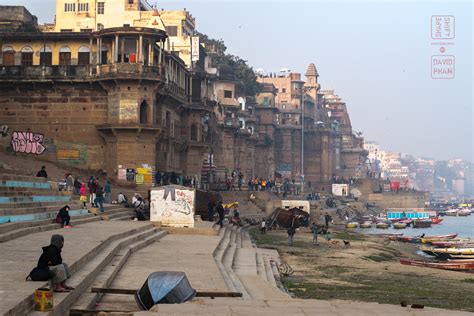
[367, 270]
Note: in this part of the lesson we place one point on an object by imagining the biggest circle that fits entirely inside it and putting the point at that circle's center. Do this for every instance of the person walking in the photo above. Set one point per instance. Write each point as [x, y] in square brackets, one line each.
[63, 217]
[108, 191]
[220, 212]
[83, 193]
[263, 226]
[42, 173]
[315, 231]
[327, 219]
[291, 232]
[99, 199]
[77, 186]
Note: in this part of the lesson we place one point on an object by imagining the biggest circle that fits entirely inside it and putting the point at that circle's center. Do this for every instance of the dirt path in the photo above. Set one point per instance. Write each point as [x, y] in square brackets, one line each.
[366, 270]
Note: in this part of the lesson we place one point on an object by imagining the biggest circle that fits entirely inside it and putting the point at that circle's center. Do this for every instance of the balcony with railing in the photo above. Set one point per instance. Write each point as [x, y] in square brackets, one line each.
[79, 72]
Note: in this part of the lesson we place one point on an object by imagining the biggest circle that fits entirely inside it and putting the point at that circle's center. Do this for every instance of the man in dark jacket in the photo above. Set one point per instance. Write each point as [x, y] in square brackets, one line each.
[220, 212]
[99, 199]
[42, 173]
[63, 217]
[51, 260]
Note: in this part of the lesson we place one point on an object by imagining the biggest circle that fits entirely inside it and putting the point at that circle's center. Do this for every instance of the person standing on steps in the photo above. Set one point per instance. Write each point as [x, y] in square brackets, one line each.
[92, 186]
[291, 232]
[327, 219]
[263, 226]
[108, 192]
[99, 199]
[83, 193]
[220, 212]
[42, 173]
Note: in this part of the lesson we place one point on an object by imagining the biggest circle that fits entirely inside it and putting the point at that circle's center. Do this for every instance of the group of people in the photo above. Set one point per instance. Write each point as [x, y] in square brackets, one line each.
[98, 194]
[165, 178]
[261, 184]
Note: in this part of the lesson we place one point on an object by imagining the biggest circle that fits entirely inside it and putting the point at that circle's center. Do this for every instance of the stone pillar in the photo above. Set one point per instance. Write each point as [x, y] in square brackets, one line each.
[98, 52]
[140, 49]
[116, 47]
[122, 49]
[90, 49]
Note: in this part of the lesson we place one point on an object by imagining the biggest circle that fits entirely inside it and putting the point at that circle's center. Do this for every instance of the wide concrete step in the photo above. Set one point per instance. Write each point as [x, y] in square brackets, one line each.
[9, 192]
[11, 202]
[105, 278]
[83, 244]
[32, 210]
[11, 231]
[20, 177]
[84, 277]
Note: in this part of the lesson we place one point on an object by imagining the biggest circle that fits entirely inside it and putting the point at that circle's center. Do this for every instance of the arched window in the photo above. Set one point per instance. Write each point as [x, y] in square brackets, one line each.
[65, 56]
[46, 55]
[8, 54]
[26, 56]
[194, 132]
[83, 55]
[144, 113]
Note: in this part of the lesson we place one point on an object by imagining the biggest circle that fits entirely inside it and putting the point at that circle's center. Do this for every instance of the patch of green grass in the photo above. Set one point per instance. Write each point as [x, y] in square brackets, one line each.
[381, 257]
[349, 236]
[468, 280]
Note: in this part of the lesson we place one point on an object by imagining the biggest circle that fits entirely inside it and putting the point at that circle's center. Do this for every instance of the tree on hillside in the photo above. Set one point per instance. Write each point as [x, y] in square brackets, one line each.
[231, 67]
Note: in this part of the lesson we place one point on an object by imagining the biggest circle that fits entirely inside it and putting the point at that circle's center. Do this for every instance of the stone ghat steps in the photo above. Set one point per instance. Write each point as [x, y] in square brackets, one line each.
[88, 265]
[9, 175]
[245, 268]
[33, 208]
[19, 191]
[101, 265]
[29, 202]
[105, 278]
[11, 231]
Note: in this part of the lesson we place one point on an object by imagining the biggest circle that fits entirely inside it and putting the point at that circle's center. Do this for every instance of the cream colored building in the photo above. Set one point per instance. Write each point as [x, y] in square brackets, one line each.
[94, 15]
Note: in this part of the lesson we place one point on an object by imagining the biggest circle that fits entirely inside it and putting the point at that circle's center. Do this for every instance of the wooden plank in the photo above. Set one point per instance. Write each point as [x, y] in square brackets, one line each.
[132, 292]
[93, 312]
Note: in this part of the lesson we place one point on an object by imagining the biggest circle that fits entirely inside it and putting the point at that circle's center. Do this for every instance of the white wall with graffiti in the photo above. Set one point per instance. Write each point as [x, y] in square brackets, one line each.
[173, 205]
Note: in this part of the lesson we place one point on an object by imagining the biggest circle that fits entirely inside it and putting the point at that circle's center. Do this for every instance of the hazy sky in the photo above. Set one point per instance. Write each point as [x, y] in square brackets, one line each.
[375, 54]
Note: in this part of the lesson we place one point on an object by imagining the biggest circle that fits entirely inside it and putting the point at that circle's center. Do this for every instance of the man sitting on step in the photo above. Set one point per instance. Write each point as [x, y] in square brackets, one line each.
[51, 266]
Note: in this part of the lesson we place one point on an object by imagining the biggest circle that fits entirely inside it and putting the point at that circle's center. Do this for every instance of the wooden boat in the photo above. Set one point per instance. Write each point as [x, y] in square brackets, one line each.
[460, 260]
[407, 221]
[352, 225]
[399, 225]
[422, 223]
[456, 266]
[453, 243]
[451, 213]
[436, 220]
[430, 239]
[366, 225]
[411, 239]
[382, 225]
[444, 253]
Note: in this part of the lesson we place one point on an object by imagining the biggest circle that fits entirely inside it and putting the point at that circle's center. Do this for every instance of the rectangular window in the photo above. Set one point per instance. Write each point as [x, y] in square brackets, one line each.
[266, 101]
[126, 25]
[172, 30]
[283, 90]
[86, 30]
[64, 59]
[227, 94]
[46, 58]
[100, 7]
[69, 7]
[26, 59]
[130, 1]
[83, 7]
[66, 30]
[9, 58]
[83, 58]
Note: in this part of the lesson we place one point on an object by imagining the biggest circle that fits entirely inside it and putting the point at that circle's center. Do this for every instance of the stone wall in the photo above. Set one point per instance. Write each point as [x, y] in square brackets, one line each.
[398, 200]
[64, 115]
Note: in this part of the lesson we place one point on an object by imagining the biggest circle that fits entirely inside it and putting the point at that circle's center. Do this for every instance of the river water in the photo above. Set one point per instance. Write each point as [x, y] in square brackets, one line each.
[463, 225]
